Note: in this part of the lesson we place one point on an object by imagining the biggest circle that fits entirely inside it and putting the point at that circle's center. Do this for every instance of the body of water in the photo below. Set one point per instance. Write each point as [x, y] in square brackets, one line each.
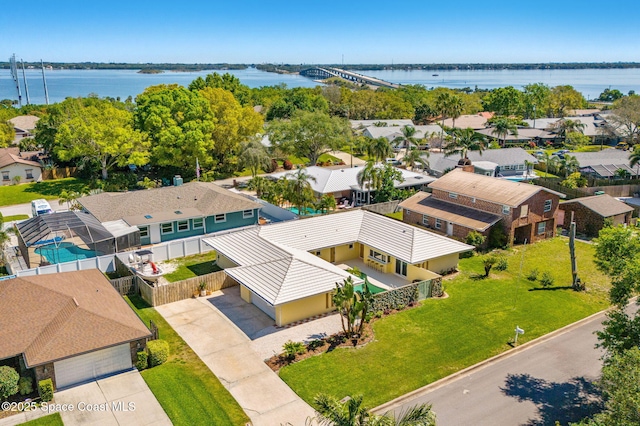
[123, 83]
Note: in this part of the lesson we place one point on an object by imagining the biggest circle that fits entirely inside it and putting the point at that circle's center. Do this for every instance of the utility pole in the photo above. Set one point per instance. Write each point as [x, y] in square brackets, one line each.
[575, 280]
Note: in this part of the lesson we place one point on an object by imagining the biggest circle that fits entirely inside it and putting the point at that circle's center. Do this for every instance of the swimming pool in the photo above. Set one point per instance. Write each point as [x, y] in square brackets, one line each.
[64, 252]
[372, 288]
[306, 211]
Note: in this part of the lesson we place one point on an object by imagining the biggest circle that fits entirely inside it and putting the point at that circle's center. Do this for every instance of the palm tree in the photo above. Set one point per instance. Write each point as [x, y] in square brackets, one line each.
[379, 149]
[465, 140]
[548, 160]
[565, 126]
[569, 165]
[367, 177]
[416, 157]
[332, 412]
[326, 203]
[407, 138]
[502, 127]
[455, 108]
[634, 159]
[300, 193]
[260, 184]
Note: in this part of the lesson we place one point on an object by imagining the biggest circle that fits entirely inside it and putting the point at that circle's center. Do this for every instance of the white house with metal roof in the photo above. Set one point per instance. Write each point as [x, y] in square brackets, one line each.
[342, 182]
[290, 269]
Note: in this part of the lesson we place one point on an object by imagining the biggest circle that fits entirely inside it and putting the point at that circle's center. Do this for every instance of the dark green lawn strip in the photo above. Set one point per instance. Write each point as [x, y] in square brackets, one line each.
[419, 346]
[48, 420]
[185, 387]
[49, 189]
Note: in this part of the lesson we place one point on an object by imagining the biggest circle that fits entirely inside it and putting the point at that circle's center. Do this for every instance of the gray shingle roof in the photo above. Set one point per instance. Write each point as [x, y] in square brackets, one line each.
[503, 157]
[195, 198]
[604, 205]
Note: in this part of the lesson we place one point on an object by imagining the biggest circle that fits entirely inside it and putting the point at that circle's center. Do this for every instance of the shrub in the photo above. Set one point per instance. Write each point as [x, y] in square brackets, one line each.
[533, 274]
[287, 165]
[8, 381]
[546, 280]
[142, 361]
[291, 349]
[488, 262]
[497, 237]
[158, 352]
[25, 385]
[501, 263]
[315, 344]
[476, 239]
[45, 389]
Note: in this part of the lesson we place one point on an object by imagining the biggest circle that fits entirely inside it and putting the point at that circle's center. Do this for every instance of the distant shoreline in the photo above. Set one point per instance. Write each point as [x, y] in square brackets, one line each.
[293, 69]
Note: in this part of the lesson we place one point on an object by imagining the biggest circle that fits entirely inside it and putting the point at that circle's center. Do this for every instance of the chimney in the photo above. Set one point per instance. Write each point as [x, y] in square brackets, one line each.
[465, 165]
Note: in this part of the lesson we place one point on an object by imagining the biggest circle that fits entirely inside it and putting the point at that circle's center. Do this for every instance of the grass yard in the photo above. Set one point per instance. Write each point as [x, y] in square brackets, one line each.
[421, 345]
[193, 266]
[304, 160]
[186, 389]
[48, 420]
[48, 189]
[15, 217]
[396, 215]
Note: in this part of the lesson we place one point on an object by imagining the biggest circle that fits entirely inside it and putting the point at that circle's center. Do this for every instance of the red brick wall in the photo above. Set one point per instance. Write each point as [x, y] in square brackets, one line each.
[459, 232]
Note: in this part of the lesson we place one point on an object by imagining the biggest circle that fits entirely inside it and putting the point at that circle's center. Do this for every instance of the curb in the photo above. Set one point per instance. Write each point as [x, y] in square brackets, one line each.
[399, 401]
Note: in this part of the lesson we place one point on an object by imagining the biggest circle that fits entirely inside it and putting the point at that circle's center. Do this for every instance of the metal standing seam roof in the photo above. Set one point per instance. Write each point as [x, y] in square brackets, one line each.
[503, 157]
[604, 205]
[500, 191]
[208, 198]
[274, 260]
[424, 203]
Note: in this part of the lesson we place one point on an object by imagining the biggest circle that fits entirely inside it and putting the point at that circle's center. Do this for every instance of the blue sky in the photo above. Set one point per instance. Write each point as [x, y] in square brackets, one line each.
[240, 31]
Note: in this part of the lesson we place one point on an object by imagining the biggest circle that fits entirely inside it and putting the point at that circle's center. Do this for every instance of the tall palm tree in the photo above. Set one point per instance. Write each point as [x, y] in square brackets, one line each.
[466, 140]
[332, 412]
[634, 159]
[300, 193]
[415, 157]
[502, 127]
[379, 149]
[455, 108]
[565, 126]
[407, 139]
[367, 178]
[548, 160]
[260, 184]
[569, 164]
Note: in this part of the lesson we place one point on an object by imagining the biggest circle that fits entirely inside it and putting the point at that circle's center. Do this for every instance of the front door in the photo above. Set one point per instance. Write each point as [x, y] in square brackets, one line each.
[449, 228]
[333, 255]
[401, 268]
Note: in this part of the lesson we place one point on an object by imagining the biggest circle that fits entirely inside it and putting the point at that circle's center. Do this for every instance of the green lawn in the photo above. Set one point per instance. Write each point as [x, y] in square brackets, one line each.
[186, 389]
[396, 215]
[48, 420]
[421, 345]
[49, 189]
[305, 160]
[15, 217]
[193, 266]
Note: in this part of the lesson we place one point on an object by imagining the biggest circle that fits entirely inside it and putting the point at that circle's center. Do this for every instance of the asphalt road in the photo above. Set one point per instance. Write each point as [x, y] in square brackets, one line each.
[551, 380]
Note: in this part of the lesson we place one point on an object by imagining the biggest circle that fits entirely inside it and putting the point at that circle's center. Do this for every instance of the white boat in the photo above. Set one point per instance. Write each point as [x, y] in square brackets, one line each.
[142, 264]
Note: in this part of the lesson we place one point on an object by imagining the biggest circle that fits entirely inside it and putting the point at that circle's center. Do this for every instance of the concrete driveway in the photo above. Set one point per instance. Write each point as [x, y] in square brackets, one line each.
[229, 352]
[124, 399]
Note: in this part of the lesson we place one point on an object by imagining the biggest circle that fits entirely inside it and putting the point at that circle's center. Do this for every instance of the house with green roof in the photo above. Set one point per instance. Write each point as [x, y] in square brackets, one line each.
[173, 212]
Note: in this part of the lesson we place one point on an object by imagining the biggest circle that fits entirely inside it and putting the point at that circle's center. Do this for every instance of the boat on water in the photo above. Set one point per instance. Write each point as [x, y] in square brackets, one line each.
[435, 75]
[141, 262]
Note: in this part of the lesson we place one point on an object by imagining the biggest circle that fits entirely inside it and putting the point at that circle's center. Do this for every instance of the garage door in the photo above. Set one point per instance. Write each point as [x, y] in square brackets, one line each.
[93, 365]
[263, 306]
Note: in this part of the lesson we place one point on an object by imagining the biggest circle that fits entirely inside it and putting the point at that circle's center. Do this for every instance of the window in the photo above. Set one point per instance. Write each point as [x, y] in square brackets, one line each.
[453, 195]
[166, 228]
[144, 231]
[524, 210]
[317, 253]
[520, 166]
[183, 225]
[547, 205]
[29, 173]
[425, 220]
[542, 226]
[246, 214]
[438, 224]
[473, 200]
[506, 209]
[220, 218]
[198, 223]
[401, 268]
[350, 246]
[5, 175]
[378, 256]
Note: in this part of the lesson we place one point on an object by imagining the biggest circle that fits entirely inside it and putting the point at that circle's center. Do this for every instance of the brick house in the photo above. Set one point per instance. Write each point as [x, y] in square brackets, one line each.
[590, 213]
[461, 202]
[71, 327]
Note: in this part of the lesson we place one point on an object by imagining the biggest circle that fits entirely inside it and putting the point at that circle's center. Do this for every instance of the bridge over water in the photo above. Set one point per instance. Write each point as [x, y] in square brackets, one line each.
[328, 72]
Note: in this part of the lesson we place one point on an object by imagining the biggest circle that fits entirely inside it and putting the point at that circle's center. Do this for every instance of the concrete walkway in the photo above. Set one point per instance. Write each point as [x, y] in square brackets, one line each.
[124, 399]
[228, 352]
[346, 157]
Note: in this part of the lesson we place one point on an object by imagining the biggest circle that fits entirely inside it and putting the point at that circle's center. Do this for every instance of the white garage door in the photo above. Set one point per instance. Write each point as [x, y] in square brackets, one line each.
[93, 365]
[263, 306]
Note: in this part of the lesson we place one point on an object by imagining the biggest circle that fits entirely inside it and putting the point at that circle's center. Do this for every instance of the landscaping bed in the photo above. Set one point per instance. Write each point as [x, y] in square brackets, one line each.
[418, 346]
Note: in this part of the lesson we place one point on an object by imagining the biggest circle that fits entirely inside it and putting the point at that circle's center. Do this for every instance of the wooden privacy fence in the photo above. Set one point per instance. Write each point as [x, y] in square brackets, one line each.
[126, 285]
[184, 289]
[58, 173]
